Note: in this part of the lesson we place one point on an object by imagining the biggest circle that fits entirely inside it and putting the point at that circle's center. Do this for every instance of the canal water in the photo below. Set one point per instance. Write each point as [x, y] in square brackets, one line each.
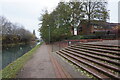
[10, 54]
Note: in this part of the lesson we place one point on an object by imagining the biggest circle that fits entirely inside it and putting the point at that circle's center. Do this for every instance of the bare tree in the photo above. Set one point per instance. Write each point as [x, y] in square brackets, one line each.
[95, 11]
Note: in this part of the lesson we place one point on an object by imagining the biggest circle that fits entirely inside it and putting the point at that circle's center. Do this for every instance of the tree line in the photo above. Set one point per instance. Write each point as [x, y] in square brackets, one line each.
[14, 33]
[58, 24]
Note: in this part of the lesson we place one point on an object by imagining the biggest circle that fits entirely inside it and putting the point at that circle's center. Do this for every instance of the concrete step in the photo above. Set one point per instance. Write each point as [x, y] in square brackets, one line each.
[88, 63]
[82, 51]
[102, 61]
[100, 47]
[89, 70]
[104, 45]
[97, 52]
[92, 60]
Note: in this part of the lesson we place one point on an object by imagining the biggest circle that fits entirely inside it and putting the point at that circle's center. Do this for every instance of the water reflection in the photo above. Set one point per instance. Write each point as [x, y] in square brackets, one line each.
[10, 54]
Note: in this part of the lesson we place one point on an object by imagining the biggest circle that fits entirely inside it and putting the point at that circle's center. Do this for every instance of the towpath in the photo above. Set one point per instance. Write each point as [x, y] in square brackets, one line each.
[43, 65]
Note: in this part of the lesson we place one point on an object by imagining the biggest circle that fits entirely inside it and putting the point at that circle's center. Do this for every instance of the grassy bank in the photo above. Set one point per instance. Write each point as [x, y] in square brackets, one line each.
[13, 68]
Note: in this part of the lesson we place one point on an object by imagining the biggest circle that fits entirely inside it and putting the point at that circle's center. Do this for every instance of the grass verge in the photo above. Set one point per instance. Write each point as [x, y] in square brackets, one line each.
[13, 68]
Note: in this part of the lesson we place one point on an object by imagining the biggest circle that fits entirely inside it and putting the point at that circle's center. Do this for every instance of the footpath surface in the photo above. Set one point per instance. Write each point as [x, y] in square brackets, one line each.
[43, 65]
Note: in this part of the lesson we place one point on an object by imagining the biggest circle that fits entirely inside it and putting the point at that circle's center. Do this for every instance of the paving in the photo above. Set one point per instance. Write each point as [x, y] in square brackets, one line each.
[43, 65]
[39, 66]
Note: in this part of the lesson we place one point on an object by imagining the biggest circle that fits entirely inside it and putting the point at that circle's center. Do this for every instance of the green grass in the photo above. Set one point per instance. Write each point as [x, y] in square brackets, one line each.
[13, 68]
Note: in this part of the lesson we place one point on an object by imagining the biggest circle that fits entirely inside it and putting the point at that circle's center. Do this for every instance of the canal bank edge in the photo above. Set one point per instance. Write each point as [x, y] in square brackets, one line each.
[13, 68]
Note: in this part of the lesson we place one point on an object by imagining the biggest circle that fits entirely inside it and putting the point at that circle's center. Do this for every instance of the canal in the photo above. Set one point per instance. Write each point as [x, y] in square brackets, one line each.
[10, 54]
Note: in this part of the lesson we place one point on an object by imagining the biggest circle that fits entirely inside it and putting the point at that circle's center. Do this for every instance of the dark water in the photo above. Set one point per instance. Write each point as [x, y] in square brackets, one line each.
[10, 54]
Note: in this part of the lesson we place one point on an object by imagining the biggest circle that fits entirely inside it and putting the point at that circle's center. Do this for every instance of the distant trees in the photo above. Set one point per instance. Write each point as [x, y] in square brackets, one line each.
[67, 16]
[14, 33]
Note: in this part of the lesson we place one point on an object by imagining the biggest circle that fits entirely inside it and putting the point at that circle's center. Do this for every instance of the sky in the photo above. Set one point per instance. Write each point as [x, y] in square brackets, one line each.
[27, 12]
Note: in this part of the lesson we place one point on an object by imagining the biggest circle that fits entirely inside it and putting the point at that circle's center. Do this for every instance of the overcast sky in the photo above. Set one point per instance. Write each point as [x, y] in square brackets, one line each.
[27, 12]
